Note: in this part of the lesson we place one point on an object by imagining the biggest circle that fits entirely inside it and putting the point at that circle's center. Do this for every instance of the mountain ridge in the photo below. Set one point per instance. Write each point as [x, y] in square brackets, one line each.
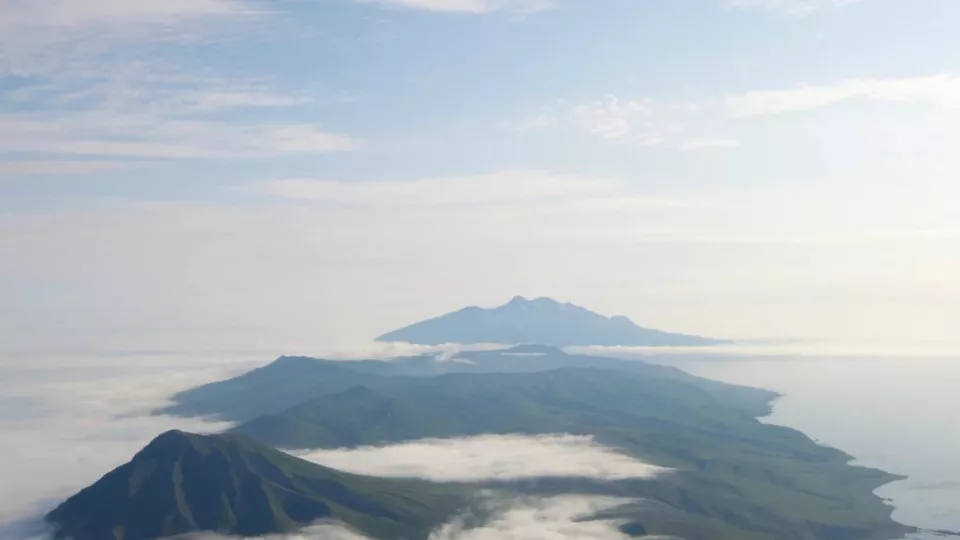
[538, 321]
[184, 483]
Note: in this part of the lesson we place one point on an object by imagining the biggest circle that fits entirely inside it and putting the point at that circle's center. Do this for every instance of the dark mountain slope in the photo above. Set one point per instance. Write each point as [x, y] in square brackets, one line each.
[763, 480]
[293, 380]
[272, 388]
[543, 321]
[183, 483]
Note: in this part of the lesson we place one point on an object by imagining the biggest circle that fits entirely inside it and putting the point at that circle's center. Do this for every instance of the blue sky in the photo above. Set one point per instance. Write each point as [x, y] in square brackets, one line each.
[311, 170]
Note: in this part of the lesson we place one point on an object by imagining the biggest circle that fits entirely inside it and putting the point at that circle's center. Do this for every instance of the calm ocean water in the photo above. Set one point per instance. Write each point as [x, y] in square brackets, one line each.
[900, 414]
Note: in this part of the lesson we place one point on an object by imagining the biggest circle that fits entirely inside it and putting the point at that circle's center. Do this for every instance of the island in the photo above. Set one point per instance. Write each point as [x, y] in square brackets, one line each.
[542, 320]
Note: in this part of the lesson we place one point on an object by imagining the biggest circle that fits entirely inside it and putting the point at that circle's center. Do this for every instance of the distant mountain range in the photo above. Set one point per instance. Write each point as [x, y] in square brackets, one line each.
[544, 321]
[182, 483]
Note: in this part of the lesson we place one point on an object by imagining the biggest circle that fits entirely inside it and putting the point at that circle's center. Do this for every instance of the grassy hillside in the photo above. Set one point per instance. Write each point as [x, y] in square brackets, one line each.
[183, 483]
[290, 381]
[734, 472]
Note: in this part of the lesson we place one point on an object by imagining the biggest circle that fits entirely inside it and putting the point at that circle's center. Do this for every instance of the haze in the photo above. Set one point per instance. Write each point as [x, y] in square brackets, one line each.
[241, 174]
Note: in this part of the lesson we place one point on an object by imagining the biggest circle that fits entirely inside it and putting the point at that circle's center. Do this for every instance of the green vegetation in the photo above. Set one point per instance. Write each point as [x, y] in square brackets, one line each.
[735, 477]
[290, 381]
[183, 483]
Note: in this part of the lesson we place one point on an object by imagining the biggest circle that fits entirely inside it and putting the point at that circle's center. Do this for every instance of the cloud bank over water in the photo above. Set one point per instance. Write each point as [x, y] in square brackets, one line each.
[488, 457]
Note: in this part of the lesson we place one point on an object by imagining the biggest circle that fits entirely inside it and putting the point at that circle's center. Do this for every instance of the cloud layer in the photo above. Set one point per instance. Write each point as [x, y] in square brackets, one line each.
[501, 186]
[67, 420]
[467, 6]
[557, 518]
[488, 457]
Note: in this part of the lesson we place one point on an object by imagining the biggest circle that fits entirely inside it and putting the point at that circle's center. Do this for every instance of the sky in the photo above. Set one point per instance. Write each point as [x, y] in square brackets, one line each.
[252, 174]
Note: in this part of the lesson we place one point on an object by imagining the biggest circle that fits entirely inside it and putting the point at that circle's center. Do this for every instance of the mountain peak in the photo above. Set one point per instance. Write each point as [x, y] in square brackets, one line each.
[542, 302]
[169, 441]
[542, 320]
[185, 483]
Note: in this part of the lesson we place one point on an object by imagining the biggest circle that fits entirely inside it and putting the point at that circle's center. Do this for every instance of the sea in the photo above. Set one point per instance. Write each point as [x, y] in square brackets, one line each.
[895, 408]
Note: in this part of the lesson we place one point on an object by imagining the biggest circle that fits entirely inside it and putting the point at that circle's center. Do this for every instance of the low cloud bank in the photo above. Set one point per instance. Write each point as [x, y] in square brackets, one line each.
[67, 422]
[320, 531]
[488, 457]
[556, 518]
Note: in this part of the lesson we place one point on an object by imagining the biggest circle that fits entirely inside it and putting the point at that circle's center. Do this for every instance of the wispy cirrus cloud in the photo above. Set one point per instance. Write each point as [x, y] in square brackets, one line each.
[78, 13]
[467, 6]
[58, 167]
[706, 124]
[59, 37]
[130, 135]
[81, 86]
[941, 91]
[500, 186]
[651, 122]
[791, 7]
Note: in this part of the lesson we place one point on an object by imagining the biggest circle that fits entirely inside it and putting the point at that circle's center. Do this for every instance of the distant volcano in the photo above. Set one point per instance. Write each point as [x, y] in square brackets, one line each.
[542, 321]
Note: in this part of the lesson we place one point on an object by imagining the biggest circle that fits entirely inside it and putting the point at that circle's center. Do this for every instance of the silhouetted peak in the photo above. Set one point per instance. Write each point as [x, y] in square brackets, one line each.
[539, 303]
[542, 320]
[170, 443]
[295, 361]
[173, 435]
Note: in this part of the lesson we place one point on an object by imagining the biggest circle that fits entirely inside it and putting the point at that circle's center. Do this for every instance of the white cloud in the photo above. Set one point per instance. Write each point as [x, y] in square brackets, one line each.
[68, 419]
[613, 118]
[320, 531]
[650, 122]
[556, 518]
[488, 457]
[468, 6]
[97, 94]
[706, 124]
[214, 100]
[162, 136]
[58, 167]
[701, 144]
[791, 7]
[941, 91]
[502, 186]
[57, 36]
[63, 14]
